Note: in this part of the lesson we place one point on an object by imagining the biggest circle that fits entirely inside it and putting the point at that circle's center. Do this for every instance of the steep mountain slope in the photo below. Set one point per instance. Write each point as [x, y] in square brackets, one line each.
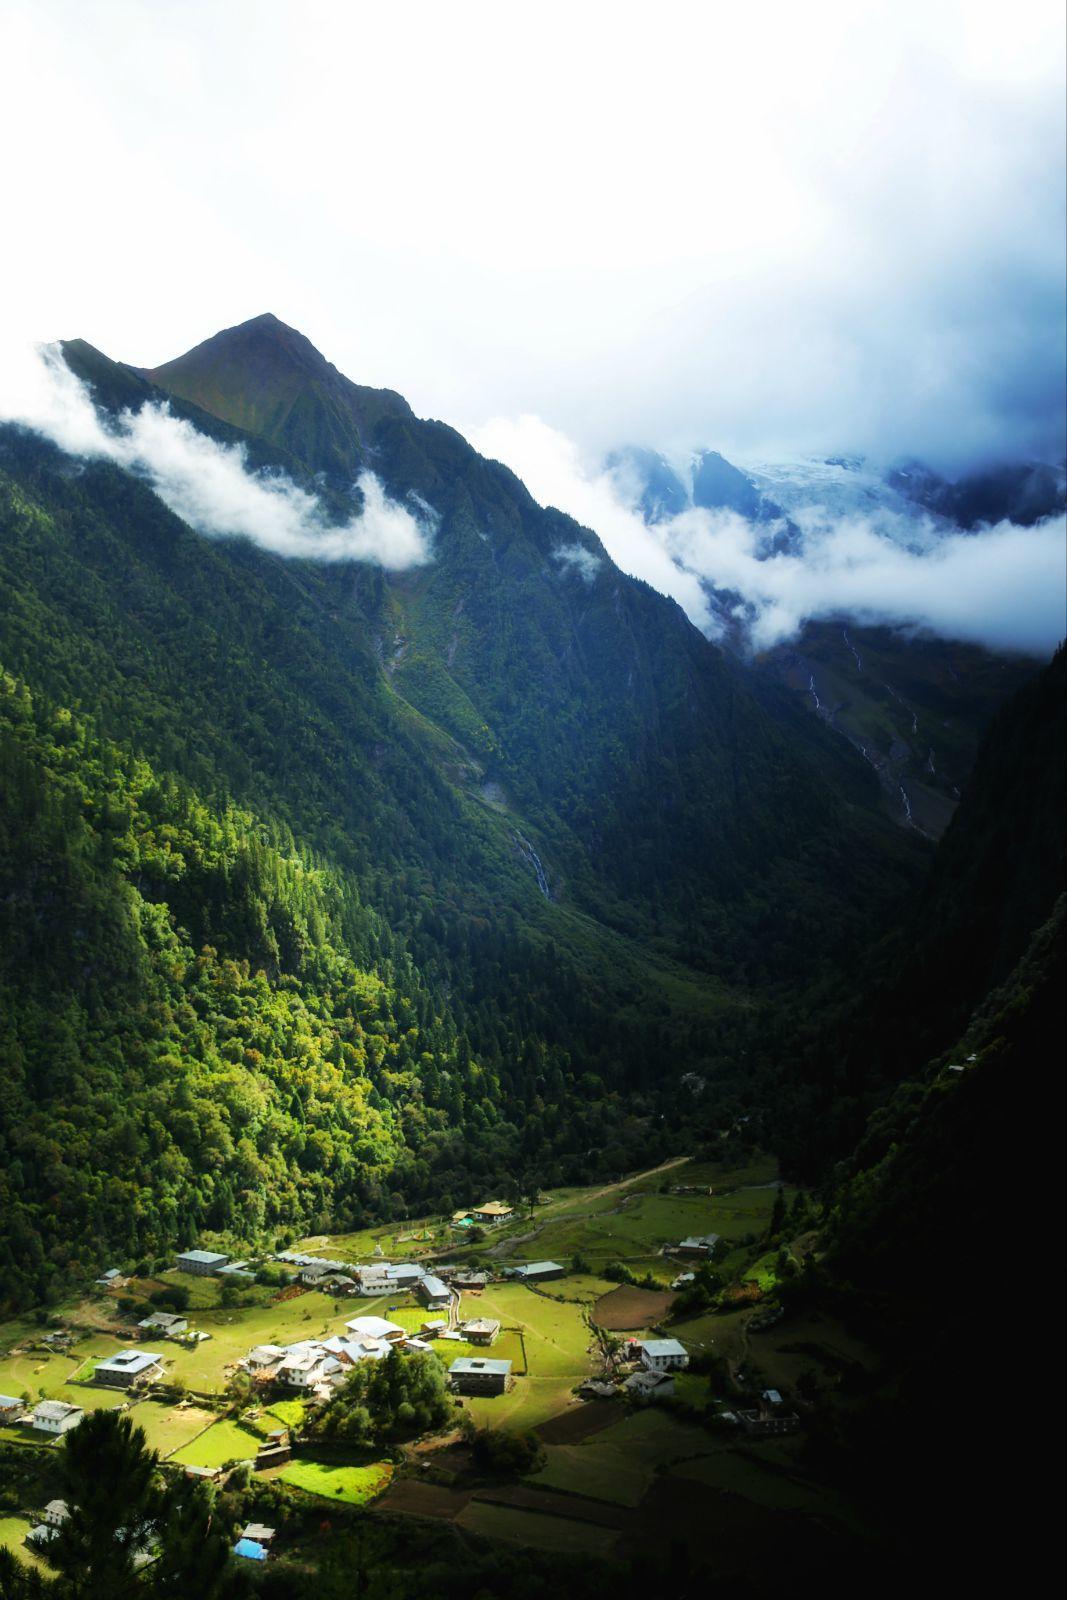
[996, 879]
[913, 706]
[587, 709]
[425, 881]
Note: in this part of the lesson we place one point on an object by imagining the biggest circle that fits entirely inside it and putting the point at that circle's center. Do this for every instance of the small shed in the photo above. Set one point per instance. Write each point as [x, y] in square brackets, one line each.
[250, 1549]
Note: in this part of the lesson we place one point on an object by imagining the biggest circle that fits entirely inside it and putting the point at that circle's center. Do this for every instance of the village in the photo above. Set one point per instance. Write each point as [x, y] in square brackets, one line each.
[227, 1359]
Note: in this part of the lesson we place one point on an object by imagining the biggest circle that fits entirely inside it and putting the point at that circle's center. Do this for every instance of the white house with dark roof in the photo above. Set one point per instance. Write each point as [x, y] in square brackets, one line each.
[55, 1416]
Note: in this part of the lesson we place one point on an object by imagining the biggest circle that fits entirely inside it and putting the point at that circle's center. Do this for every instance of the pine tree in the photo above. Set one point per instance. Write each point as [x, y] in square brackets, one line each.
[106, 1473]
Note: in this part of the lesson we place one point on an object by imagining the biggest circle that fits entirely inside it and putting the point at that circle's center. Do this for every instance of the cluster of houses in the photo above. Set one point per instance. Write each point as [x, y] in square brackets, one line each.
[658, 1360]
[318, 1367]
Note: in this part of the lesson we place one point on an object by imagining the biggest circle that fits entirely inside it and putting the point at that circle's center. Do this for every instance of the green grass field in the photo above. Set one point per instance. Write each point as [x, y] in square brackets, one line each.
[354, 1485]
[13, 1531]
[224, 1441]
[169, 1428]
[557, 1344]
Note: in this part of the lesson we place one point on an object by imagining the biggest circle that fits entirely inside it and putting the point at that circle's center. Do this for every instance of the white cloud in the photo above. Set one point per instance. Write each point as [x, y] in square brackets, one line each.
[550, 466]
[576, 558]
[1005, 587]
[208, 484]
[769, 228]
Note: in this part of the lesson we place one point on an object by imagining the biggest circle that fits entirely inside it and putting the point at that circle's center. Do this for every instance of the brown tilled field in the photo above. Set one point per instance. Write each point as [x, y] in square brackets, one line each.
[624, 1310]
[573, 1507]
[579, 1422]
[423, 1500]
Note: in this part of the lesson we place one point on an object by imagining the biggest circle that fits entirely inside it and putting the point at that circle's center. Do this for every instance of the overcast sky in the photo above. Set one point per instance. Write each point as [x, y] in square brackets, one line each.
[772, 228]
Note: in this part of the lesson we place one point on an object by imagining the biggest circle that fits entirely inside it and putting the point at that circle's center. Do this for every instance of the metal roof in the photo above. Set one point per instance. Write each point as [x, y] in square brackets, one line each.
[474, 1364]
[129, 1361]
[663, 1347]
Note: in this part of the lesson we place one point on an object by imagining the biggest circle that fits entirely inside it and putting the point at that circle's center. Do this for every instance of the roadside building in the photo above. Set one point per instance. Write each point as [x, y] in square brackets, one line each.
[203, 1263]
[662, 1355]
[127, 1367]
[55, 1416]
[480, 1330]
[538, 1271]
[478, 1375]
[168, 1323]
[433, 1293]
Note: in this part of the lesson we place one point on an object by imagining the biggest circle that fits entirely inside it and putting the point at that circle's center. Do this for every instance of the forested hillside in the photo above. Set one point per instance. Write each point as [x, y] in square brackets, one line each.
[329, 892]
[188, 1046]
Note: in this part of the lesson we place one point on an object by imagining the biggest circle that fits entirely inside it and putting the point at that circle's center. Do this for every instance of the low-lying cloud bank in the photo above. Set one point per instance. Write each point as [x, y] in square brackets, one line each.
[209, 485]
[1004, 586]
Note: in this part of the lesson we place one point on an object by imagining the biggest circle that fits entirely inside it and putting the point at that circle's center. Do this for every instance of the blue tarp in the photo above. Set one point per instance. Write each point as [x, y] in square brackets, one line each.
[250, 1549]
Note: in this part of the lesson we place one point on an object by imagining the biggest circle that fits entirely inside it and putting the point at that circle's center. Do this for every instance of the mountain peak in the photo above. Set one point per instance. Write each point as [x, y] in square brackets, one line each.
[258, 350]
[269, 379]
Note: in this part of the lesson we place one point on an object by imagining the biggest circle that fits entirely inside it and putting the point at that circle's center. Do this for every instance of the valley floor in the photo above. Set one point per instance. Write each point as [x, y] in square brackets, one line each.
[611, 1478]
